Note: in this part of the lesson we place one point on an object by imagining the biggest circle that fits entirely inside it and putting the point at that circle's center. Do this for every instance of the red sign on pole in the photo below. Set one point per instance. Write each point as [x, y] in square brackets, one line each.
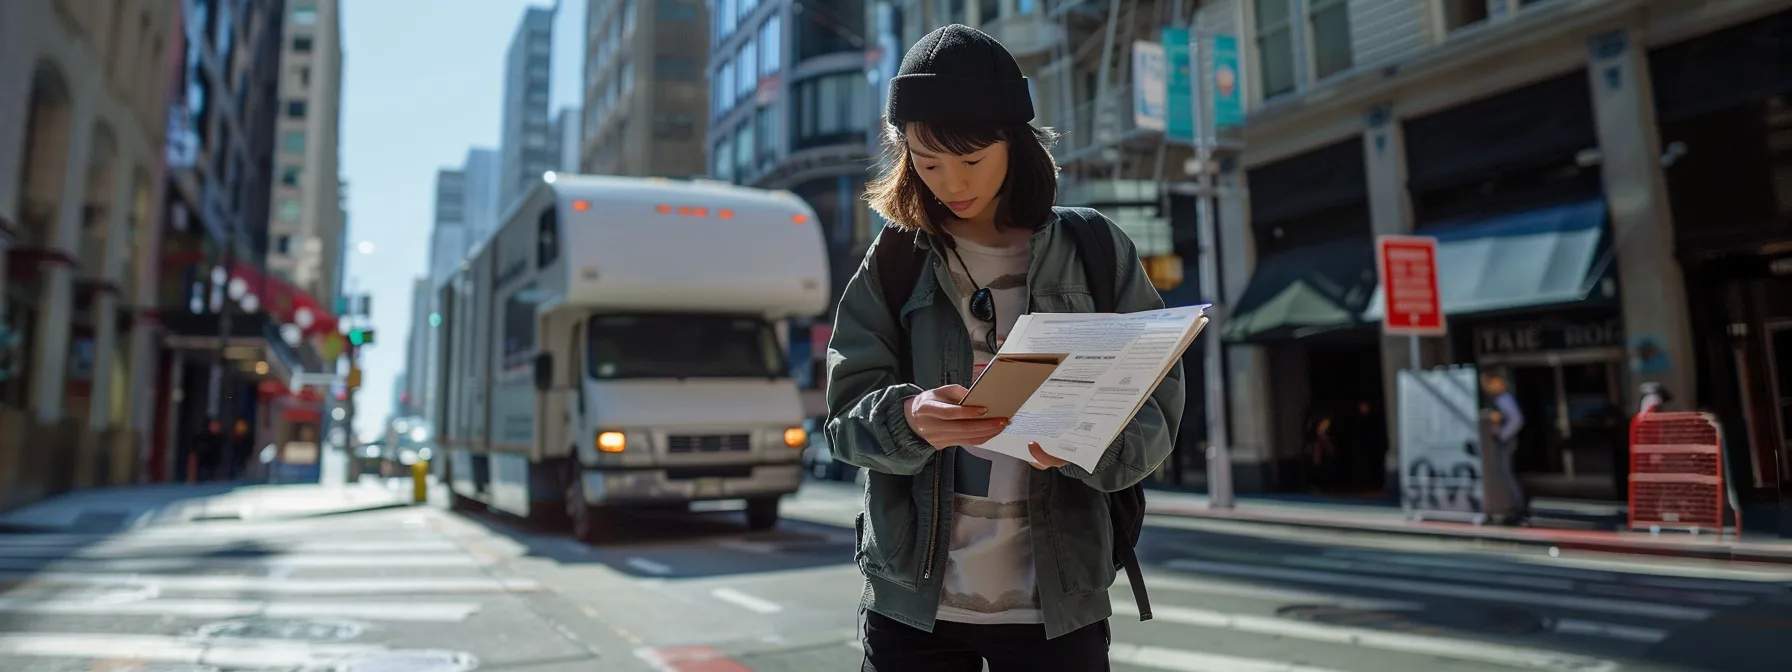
[1408, 269]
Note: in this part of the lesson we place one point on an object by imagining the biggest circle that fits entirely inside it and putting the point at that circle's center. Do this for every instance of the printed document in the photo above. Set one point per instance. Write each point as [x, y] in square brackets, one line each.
[1109, 364]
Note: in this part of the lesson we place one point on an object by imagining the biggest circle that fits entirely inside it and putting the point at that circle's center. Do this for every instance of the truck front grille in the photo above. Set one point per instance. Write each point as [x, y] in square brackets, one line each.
[714, 443]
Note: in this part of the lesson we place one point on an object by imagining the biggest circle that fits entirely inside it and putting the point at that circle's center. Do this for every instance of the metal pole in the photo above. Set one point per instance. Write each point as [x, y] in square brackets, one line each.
[1219, 454]
[1412, 349]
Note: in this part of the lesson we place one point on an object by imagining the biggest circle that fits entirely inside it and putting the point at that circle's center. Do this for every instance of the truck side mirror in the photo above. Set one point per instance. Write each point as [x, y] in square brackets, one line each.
[544, 371]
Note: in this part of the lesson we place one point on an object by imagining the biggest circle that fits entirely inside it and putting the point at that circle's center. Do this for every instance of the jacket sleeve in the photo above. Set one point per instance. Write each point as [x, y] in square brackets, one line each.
[866, 425]
[1148, 439]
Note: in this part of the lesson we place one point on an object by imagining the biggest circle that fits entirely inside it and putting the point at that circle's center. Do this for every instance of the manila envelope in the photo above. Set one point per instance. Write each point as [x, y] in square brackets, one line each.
[1009, 381]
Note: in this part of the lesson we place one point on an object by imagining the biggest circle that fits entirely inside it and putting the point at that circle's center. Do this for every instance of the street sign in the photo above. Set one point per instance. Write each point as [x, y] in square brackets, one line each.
[1408, 269]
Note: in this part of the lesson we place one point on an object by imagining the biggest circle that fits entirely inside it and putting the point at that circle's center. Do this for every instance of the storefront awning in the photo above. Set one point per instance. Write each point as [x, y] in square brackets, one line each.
[1536, 258]
[1305, 291]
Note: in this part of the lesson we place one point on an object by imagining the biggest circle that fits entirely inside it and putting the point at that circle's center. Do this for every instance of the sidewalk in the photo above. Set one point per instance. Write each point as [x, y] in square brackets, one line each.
[106, 510]
[1391, 520]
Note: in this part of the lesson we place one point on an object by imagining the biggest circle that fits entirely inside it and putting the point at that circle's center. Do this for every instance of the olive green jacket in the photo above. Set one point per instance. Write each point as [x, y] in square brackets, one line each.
[905, 527]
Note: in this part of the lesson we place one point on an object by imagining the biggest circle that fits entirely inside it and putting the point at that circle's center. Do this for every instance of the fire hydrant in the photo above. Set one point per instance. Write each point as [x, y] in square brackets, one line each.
[420, 481]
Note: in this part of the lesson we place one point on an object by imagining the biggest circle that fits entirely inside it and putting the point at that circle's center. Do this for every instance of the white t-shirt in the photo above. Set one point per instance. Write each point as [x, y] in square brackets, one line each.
[989, 575]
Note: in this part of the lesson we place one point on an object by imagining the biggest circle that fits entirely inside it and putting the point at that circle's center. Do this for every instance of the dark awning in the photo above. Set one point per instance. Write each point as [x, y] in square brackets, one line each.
[1305, 291]
[1543, 257]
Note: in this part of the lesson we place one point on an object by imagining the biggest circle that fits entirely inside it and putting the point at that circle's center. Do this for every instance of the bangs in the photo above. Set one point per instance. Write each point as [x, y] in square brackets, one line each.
[957, 138]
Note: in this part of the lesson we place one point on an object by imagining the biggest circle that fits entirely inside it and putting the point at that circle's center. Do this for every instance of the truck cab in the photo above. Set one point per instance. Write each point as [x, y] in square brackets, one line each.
[635, 356]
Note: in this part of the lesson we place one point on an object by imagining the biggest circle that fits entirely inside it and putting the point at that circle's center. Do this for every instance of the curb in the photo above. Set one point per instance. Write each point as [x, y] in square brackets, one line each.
[1715, 551]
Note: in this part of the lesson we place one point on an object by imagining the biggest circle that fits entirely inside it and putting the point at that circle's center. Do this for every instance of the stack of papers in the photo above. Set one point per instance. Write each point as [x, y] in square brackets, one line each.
[1072, 381]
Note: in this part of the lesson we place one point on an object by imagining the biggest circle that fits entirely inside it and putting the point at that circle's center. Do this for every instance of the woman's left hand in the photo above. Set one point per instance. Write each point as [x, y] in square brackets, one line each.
[1041, 460]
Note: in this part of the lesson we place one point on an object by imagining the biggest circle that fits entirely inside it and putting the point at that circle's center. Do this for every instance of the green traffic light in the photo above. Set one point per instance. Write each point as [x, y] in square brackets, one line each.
[435, 319]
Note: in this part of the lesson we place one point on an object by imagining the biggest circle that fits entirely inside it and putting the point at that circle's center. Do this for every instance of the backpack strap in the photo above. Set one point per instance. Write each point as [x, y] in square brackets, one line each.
[1095, 247]
[899, 257]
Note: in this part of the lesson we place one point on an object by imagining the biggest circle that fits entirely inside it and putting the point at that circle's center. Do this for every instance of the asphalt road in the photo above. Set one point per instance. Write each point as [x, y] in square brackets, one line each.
[426, 590]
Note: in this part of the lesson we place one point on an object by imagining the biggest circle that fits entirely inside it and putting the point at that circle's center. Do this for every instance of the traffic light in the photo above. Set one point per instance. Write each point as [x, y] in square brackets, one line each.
[359, 336]
[354, 378]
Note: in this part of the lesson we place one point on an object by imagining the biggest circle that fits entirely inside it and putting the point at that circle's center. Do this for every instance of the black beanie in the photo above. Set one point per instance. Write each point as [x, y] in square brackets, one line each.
[957, 73]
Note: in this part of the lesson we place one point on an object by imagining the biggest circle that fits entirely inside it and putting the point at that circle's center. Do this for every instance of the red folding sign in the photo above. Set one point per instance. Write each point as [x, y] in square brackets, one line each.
[1410, 302]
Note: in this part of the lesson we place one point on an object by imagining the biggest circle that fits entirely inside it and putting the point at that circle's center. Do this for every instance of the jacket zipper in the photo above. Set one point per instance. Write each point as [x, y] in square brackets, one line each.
[933, 532]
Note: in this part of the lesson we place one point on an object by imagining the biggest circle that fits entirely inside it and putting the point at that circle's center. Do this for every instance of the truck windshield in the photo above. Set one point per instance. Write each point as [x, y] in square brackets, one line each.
[684, 346]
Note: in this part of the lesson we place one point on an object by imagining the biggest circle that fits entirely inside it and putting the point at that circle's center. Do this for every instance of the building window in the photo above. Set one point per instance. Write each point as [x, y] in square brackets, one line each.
[821, 32]
[990, 9]
[626, 77]
[301, 44]
[547, 238]
[746, 69]
[831, 109]
[677, 10]
[628, 16]
[722, 159]
[290, 209]
[1025, 6]
[304, 77]
[1330, 22]
[724, 80]
[724, 18]
[289, 175]
[292, 142]
[770, 42]
[1275, 47]
[304, 12]
[283, 244]
[673, 126]
[295, 109]
[1464, 13]
[674, 67]
[767, 120]
[743, 151]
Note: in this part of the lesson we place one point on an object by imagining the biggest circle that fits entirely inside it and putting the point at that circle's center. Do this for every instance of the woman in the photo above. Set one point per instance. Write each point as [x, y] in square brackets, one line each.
[971, 555]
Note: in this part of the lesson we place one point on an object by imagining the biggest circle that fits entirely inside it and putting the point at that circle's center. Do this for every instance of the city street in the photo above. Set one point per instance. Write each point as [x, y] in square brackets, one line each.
[422, 589]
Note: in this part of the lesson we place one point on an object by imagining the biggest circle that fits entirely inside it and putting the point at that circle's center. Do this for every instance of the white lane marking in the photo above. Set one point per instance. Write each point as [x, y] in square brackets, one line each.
[1630, 633]
[1564, 601]
[741, 599]
[229, 653]
[181, 564]
[1248, 591]
[1530, 566]
[761, 547]
[443, 612]
[1443, 647]
[649, 566]
[1178, 660]
[253, 584]
[1483, 576]
[111, 550]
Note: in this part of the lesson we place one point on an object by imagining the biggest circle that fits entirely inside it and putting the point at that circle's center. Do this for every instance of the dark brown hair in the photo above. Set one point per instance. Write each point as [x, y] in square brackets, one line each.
[1028, 192]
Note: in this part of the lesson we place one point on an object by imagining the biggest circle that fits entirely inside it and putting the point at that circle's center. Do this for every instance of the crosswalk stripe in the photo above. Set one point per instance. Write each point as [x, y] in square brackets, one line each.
[1444, 647]
[750, 602]
[229, 653]
[137, 549]
[285, 586]
[1178, 660]
[1560, 600]
[302, 561]
[445, 612]
[1572, 626]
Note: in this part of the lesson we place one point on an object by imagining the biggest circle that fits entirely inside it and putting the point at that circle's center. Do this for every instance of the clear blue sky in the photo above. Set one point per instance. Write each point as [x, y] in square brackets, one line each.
[423, 81]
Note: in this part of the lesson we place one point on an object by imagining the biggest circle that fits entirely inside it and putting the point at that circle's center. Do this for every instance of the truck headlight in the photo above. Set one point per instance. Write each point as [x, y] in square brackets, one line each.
[796, 437]
[611, 442]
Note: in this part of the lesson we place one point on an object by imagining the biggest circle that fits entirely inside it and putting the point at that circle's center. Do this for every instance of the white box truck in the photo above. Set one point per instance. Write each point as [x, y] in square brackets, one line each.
[621, 342]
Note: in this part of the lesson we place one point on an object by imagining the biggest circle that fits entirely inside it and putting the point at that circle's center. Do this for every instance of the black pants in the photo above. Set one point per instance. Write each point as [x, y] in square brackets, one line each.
[892, 646]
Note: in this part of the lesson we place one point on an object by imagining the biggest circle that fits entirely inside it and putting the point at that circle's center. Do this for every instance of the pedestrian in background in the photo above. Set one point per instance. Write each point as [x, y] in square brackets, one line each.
[971, 555]
[1509, 420]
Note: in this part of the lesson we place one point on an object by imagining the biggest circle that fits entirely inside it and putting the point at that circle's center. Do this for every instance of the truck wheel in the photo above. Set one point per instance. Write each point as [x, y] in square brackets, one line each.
[762, 514]
[590, 524]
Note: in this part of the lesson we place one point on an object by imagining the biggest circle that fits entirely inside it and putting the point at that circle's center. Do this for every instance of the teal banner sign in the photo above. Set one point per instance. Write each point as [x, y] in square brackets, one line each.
[1228, 95]
[1178, 124]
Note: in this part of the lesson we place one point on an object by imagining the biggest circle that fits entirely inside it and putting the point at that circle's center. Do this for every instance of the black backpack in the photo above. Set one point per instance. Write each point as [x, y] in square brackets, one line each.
[899, 263]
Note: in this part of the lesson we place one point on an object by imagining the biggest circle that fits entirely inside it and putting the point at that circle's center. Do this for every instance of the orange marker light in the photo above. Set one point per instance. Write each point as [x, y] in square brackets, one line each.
[700, 212]
[664, 209]
[799, 218]
[581, 206]
[725, 213]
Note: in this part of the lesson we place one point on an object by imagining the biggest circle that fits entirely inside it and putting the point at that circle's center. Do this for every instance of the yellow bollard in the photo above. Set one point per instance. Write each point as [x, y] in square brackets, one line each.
[420, 481]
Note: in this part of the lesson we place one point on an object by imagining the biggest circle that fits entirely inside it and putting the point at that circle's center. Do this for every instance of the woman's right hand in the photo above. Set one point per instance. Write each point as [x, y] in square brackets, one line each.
[937, 418]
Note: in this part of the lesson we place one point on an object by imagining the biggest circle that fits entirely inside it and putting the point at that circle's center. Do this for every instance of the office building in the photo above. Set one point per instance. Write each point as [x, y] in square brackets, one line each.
[644, 94]
[526, 141]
